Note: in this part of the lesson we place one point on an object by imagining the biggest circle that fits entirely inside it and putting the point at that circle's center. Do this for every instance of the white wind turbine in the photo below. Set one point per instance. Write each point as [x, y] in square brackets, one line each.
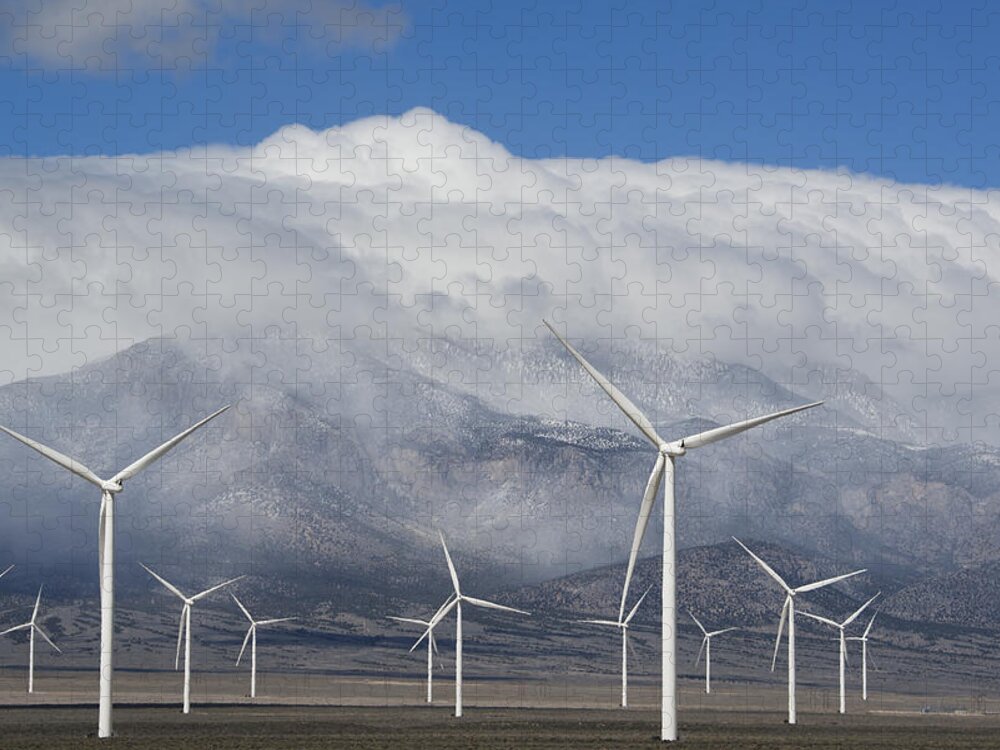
[252, 637]
[184, 631]
[431, 645]
[455, 603]
[106, 548]
[623, 624]
[840, 626]
[32, 627]
[663, 470]
[788, 610]
[706, 646]
[864, 656]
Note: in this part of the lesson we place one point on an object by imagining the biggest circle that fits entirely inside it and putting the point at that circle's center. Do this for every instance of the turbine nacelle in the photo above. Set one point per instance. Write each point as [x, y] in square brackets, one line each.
[112, 487]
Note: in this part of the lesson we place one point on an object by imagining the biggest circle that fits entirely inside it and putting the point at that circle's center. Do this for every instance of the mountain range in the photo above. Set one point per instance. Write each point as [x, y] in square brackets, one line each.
[328, 480]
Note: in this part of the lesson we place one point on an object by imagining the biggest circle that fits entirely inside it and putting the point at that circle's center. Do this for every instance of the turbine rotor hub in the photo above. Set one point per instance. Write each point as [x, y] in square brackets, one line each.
[672, 449]
[112, 488]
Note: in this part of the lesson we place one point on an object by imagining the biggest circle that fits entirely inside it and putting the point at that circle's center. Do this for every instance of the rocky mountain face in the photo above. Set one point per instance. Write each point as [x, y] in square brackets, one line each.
[329, 478]
[720, 583]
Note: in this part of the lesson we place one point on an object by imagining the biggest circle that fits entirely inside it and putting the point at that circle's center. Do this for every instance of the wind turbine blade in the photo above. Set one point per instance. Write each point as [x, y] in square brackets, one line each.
[645, 511]
[451, 565]
[781, 628]
[721, 433]
[420, 640]
[767, 568]
[828, 581]
[66, 462]
[871, 662]
[698, 623]
[102, 527]
[872, 622]
[493, 605]
[47, 639]
[630, 409]
[631, 649]
[246, 640]
[441, 609]
[240, 605]
[434, 643]
[609, 623]
[16, 627]
[440, 615]
[176, 591]
[180, 637]
[9, 568]
[134, 468]
[823, 620]
[701, 650]
[636, 607]
[411, 620]
[206, 592]
[720, 632]
[847, 661]
[275, 621]
[38, 603]
[860, 609]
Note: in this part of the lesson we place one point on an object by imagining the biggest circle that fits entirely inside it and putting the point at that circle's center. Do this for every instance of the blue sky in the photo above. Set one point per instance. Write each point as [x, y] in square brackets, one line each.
[911, 94]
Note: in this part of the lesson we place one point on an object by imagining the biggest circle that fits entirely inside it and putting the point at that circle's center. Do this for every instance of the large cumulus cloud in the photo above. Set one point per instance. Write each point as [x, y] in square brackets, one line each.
[414, 227]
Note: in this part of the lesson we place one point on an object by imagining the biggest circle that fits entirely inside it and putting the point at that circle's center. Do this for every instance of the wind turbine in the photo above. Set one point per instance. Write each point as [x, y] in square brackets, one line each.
[663, 470]
[455, 602]
[706, 646]
[184, 632]
[864, 656]
[250, 636]
[431, 646]
[623, 624]
[788, 610]
[106, 548]
[843, 644]
[32, 627]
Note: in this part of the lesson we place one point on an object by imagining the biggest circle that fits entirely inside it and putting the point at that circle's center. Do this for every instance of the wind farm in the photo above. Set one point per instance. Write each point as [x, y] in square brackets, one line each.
[349, 656]
[663, 471]
[842, 647]
[788, 616]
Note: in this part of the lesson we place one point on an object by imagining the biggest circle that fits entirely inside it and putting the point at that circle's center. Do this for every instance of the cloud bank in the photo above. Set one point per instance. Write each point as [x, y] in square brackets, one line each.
[414, 227]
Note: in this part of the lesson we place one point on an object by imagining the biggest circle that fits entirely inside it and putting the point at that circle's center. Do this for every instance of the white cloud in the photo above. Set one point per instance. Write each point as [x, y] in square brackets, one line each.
[104, 35]
[414, 226]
